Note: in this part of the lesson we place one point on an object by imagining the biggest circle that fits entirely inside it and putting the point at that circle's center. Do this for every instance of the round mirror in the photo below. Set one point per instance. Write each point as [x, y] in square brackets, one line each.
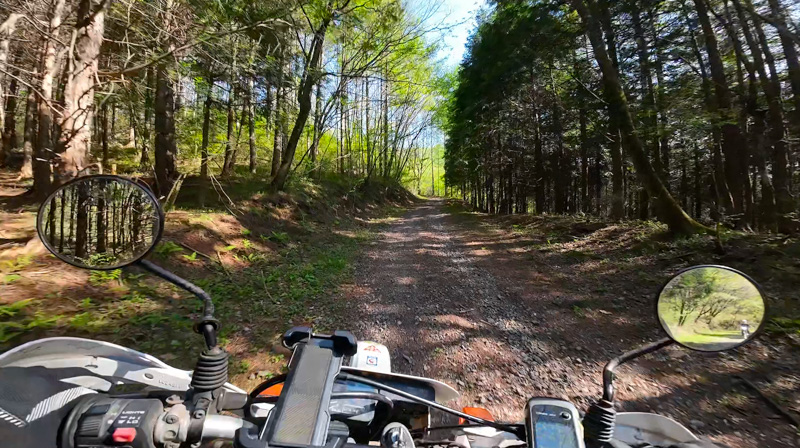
[711, 308]
[100, 222]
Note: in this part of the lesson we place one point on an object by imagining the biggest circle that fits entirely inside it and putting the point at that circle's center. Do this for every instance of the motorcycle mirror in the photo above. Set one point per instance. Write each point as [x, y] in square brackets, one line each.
[100, 222]
[711, 308]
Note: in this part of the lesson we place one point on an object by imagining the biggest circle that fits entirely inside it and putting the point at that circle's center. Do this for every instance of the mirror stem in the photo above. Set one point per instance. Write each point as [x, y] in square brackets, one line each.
[608, 371]
[208, 326]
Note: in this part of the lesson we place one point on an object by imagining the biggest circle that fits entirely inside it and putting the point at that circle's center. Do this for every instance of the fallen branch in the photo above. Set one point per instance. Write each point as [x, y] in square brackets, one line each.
[676, 257]
[222, 265]
[189, 248]
[169, 202]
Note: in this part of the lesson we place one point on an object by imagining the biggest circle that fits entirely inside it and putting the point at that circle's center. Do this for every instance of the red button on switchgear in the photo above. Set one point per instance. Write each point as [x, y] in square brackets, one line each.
[124, 435]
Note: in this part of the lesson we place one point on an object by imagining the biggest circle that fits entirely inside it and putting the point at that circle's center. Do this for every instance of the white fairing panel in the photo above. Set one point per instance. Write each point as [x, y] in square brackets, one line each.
[373, 357]
[101, 358]
[636, 428]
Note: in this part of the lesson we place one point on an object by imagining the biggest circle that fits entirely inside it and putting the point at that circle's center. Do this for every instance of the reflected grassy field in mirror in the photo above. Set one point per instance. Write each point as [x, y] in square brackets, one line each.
[711, 308]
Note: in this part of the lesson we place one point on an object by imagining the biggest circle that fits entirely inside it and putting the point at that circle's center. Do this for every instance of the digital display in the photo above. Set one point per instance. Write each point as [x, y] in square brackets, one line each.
[553, 427]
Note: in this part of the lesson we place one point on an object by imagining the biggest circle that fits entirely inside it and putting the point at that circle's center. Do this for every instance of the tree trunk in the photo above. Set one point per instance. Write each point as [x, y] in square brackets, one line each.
[280, 117]
[650, 119]
[668, 209]
[10, 130]
[732, 139]
[792, 63]
[617, 171]
[538, 165]
[7, 29]
[29, 135]
[165, 145]
[230, 141]
[207, 105]
[771, 87]
[104, 137]
[698, 185]
[144, 162]
[767, 210]
[784, 202]
[721, 196]
[584, 180]
[661, 102]
[251, 125]
[44, 150]
[76, 127]
[317, 130]
[310, 79]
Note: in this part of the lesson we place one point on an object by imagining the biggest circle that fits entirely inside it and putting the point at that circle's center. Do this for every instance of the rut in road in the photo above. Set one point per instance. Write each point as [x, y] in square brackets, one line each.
[423, 295]
[504, 315]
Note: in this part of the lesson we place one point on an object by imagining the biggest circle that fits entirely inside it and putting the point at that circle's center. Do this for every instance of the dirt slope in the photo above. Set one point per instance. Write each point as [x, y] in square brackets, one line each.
[468, 304]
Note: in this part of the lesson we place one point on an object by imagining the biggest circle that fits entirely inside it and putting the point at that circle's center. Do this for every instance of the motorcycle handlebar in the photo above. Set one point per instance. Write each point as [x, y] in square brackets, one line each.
[223, 427]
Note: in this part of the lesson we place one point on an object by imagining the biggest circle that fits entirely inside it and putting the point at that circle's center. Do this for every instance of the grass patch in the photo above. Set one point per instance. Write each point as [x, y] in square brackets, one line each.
[15, 321]
[313, 241]
[99, 278]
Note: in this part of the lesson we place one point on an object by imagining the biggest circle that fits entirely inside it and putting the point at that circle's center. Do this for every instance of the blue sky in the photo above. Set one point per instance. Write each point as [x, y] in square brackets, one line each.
[458, 16]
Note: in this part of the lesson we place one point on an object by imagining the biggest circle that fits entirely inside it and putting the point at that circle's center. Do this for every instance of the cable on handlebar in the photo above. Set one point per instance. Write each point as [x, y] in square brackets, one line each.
[363, 396]
[340, 396]
[517, 430]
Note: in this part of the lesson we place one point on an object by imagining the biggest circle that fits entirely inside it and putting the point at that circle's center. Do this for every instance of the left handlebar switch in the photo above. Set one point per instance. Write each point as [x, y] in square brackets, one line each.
[112, 422]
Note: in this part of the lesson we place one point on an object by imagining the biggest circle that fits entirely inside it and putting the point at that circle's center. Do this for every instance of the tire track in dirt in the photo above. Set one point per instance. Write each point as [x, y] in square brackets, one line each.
[421, 293]
[460, 303]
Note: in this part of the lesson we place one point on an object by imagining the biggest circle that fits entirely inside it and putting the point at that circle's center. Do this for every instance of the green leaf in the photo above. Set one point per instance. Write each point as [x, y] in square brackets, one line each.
[10, 278]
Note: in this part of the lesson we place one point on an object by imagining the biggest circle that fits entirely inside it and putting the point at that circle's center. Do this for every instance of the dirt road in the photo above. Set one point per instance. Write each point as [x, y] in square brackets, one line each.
[460, 301]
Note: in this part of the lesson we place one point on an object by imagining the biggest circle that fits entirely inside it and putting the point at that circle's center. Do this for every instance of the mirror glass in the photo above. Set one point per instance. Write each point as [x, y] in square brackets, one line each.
[710, 308]
[100, 222]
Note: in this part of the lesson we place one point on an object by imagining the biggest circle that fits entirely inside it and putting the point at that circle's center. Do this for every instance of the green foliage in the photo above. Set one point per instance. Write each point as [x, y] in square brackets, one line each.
[192, 257]
[13, 324]
[8, 279]
[237, 367]
[165, 249]
[98, 278]
[13, 308]
[784, 325]
[16, 264]
[87, 321]
[278, 237]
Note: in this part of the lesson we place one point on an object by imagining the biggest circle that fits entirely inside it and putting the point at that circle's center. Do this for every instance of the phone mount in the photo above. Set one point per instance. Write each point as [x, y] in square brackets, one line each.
[300, 418]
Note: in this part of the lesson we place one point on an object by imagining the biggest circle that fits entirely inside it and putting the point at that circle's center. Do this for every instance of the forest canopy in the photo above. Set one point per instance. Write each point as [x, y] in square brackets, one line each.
[163, 89]
[687, 111]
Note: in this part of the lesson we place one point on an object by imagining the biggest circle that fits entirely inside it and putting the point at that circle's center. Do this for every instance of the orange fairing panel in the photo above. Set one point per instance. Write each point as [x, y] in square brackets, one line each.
[476, 412]
[273, 391]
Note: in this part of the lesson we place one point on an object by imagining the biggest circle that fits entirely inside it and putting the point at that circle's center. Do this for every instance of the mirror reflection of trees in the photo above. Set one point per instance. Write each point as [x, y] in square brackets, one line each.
[709, 306]
[100, 222]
